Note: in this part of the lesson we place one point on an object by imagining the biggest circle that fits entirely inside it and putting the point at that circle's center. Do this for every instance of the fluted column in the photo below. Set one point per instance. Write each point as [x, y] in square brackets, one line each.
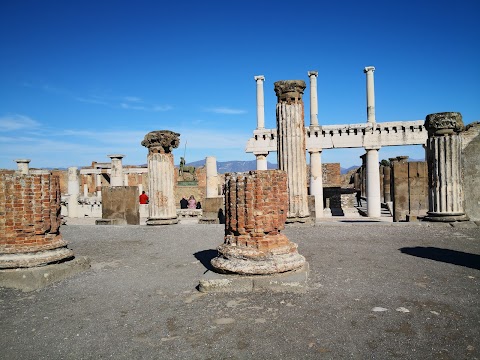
[291, 146]
[22, 166]
[116, 175]
[445, 196]
[212, 177]
[161, 206]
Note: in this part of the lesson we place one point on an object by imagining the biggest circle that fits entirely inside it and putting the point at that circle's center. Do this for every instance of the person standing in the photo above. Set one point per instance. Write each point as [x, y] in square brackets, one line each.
[143, 198]
[192, 203]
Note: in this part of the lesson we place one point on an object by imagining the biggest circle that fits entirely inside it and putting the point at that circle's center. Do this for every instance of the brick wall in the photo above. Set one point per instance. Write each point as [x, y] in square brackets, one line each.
[30, 216]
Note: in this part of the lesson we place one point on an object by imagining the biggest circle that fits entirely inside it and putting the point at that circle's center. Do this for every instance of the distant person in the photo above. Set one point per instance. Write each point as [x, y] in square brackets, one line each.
[358, 195]
[192, 203]
[143, 198]
[183, 203]
[199, 205]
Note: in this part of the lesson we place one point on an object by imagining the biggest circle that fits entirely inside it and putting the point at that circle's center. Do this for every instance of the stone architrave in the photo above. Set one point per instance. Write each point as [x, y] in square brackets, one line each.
[291, 146]
[256, 210]
[444, 158]
[161, 176]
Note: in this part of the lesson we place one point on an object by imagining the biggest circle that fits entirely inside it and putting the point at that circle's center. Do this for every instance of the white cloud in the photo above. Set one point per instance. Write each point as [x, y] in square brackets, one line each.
[17, 122]
[133, 99]
[226, 110]
[154, 108]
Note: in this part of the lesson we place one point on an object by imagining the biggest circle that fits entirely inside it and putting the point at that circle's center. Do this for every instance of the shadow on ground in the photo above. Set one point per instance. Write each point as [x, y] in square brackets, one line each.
[444, 255]
[205, 256]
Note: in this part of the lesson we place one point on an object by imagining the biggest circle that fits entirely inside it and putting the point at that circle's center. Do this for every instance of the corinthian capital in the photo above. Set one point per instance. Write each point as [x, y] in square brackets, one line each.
[289, 90]
[161, 141]
[444, 123]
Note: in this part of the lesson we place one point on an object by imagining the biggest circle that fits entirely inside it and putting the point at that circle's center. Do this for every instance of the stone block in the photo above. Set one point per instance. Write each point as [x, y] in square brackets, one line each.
[29, 279]
[121, 202]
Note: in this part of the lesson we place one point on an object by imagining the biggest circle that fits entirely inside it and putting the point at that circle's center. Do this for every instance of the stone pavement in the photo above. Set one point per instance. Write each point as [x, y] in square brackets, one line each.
[376, 290]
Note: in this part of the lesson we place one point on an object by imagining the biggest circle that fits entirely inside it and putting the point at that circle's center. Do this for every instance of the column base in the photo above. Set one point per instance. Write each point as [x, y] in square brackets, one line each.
[153, 222]
[446, 217]
[298, 219]
[32, 259]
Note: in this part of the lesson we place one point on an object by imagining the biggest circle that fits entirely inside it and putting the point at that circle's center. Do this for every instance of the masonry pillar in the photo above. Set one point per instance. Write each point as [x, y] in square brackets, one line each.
[386, 184]
[22, 166]
[73, 189]
[373, 183]
[162, 206]
[444, 151]
[30, 227]
[291, 146]
[116, 175]
[212, 177]
[256, 210]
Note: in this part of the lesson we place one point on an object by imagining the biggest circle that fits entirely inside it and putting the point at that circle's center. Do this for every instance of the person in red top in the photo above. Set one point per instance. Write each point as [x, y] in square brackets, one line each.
[143, 198]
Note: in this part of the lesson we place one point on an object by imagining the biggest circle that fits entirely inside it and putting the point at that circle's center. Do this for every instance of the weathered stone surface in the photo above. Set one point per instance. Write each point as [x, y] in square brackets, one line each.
[256, 209]
[471, 170]
[163, 141]
[289, 90]
[121, 203]
[444, 123]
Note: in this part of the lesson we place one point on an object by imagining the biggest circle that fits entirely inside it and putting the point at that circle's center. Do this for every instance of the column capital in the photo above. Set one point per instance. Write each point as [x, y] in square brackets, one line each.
[259, 78]
[22, 161]
[116, 156]
[368, 69]
[372, 147]
[161, 141]
[287, 90]
[444, 123]
[313, 73]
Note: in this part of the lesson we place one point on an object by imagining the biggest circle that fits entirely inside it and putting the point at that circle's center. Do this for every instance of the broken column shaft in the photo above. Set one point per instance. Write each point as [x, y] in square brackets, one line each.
[162, 206]
[255, 210]
[291, 146]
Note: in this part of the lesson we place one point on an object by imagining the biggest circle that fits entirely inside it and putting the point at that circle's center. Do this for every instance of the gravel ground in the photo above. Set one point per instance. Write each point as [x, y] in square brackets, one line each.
[376, 290]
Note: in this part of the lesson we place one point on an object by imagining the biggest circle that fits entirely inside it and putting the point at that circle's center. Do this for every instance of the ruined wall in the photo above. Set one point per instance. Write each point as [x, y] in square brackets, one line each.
[409, 189]
[471, 170]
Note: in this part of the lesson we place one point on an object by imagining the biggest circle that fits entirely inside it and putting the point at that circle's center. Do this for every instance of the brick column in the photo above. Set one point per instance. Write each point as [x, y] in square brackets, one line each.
[162, 208]
[291, 146]
[30, 221]
[444, 158]
[256, 210]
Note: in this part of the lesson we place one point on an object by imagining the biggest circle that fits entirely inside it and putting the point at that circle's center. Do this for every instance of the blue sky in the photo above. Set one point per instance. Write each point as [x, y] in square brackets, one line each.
[83, 79]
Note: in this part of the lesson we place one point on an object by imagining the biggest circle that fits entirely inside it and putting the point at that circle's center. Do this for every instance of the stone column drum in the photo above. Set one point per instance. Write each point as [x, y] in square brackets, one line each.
[161, 207]
[30, 221]
[291, 146]
[116, 176]
[256, 209]
[444, 151]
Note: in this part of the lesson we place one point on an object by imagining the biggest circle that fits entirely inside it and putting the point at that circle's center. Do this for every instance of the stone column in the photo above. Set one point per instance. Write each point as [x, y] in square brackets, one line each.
[212, 177]
[256, 210]
[73, 189]
[116, 175]
[316, 175]
[162, 208]
[373, 183]
[444, 152]
[261, 161]
[22, 166]
[363, 175]
[370, 94]
[98, 185]
[386, 184]
[313, 98]
[291, 146]
[30, 227]
[125, 179]
[260, 102]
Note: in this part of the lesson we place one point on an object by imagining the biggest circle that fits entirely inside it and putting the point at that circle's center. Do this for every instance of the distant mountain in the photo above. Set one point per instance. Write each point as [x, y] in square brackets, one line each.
[233, 166]
[344, 171]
